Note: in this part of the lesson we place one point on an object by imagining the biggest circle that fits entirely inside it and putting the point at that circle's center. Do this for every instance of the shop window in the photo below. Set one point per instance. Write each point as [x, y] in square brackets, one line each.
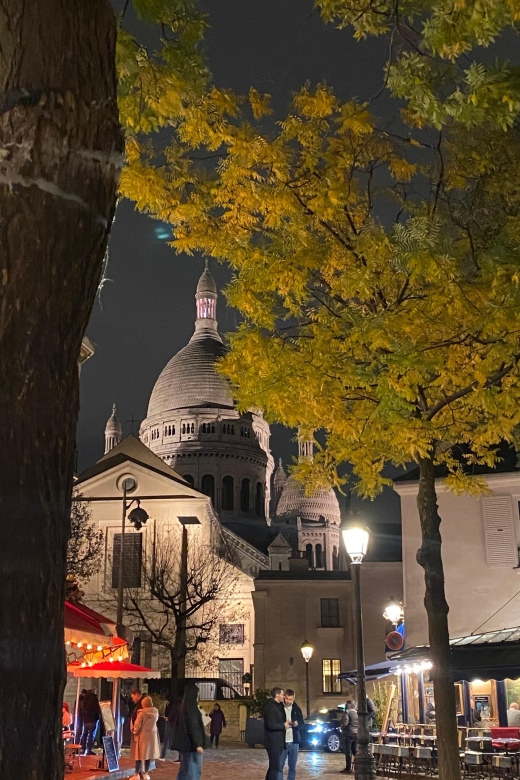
[228, 487]
[259, 500]
[244, 495]
[132, 560]
[331, 667]
[208, 486]
[329, 613]
[232, 671]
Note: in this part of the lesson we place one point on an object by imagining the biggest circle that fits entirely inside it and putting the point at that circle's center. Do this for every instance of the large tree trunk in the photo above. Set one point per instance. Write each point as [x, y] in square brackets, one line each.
[60, 150]
[429, 557]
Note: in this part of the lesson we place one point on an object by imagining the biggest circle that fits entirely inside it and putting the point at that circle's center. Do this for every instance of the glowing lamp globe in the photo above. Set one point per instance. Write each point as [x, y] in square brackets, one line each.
[307, 651]
[393, 613]
[355, 539]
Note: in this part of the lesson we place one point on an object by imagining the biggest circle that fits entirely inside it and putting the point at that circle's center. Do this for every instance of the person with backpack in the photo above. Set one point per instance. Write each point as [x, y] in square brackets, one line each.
[349, 729]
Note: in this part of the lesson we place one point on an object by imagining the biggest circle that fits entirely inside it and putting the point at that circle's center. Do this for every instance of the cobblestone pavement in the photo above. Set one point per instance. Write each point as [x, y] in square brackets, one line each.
[239, 763]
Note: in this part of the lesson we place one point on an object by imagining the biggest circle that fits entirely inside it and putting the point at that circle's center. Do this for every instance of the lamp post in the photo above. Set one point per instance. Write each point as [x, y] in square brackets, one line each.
[138, 517]
[355, 538]
[307, 651]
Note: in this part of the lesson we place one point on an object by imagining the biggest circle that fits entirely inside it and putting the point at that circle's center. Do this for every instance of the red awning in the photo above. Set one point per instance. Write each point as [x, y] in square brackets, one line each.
[120, 669]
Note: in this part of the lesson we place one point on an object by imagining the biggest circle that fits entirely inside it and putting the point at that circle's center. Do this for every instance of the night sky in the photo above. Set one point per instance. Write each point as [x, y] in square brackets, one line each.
[145, 310]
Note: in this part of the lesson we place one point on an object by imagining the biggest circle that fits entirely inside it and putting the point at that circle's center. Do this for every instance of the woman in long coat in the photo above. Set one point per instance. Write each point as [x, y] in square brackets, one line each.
[146, 738]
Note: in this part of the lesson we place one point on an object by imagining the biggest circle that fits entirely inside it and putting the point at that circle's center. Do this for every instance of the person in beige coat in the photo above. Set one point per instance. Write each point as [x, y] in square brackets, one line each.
[146, 746]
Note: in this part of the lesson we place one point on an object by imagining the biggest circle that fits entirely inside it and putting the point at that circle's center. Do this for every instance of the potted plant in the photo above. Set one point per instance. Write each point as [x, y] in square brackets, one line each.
[254, 720]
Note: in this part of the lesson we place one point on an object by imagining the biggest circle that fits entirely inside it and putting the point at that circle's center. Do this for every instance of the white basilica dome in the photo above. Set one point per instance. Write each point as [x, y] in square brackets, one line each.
[294, 503]
[190, 379]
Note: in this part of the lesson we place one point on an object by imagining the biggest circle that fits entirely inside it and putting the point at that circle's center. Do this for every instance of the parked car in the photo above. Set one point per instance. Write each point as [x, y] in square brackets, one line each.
[323, 730]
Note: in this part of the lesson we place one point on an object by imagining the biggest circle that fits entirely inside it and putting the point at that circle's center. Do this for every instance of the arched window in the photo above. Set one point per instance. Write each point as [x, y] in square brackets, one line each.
[208, 486]
[309, 555]
[183, 427]
[212, 429]
[279, 566]
[189, 479]
[244, 495]
[319, 556]
[193, 427]
[259, 499]
[228, 487]
[335, 558]
[232, 430]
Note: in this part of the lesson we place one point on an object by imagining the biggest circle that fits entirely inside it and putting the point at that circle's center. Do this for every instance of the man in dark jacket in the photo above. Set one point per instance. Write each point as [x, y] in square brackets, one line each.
[171, 714]
[349, 728]
[189, 737]
[91, 712]
[275, 726]
[294, 715]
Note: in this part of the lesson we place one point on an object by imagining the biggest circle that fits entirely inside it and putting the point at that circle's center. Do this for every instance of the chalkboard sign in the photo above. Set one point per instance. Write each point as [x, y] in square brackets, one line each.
[110, 753]
[107, 715]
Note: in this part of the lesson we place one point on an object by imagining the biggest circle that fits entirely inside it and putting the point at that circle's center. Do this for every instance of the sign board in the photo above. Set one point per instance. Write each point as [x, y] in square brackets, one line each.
[110, 753]
[108, 716]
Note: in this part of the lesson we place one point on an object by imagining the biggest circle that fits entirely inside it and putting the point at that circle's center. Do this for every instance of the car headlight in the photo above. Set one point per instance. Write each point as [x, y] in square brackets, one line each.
[317, 729]
[315, 741]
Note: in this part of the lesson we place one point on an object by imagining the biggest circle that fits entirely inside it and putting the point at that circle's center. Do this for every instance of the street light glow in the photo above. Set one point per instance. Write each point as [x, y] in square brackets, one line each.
[355, 539]
[393, 613]
[307, 651]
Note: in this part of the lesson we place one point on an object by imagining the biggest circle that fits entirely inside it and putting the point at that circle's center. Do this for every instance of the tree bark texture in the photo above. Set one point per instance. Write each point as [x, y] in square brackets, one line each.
[429, 557]
[60, 154]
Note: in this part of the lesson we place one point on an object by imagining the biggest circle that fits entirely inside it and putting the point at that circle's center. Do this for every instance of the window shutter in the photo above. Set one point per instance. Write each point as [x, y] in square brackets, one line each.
[131, 561]
[501, 548]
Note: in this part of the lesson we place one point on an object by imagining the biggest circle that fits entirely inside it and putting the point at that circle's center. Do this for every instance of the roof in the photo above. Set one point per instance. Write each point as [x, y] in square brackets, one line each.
[293, 502]
[190, 380]
[508, 462]
[491, 656]
[133, 450]
[310, 574]
[254, 531]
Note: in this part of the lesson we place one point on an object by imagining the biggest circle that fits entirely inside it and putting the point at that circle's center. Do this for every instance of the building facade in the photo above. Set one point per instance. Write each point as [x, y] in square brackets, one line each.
[480, 541]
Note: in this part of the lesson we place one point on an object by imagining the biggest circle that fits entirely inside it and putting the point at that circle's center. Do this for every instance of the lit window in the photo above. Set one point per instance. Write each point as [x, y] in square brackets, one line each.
[331, 667]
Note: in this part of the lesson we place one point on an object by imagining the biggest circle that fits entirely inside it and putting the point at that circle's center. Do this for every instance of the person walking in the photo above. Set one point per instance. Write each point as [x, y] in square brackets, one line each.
[371, 713]
[275, 727]
[189, 736]
[349, 728]
[146, 738]
[171, 713]
[294, 715]
[91, 715]
[80, 717]
[218, 722]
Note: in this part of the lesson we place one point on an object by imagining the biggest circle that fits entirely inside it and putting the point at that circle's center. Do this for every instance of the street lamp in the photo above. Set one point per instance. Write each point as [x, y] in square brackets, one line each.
[393, 613]
[138, 517]
[307, 651]
[355, 538]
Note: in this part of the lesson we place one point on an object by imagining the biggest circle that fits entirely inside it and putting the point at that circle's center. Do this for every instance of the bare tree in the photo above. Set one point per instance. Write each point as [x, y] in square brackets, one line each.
[182, 614]
[85, 547]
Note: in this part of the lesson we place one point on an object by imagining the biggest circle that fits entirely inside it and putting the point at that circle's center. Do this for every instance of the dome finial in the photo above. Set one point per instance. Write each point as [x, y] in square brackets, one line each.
[113, 431]
[206, 297]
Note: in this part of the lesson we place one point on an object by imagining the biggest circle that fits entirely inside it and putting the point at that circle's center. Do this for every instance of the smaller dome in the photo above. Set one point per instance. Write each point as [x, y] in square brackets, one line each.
[206, 285]
[113, 426]
[294, 503]
[280, 477]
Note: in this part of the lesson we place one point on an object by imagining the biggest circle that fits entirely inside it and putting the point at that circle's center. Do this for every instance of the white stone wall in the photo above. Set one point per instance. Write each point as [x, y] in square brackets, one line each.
[474, 588]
